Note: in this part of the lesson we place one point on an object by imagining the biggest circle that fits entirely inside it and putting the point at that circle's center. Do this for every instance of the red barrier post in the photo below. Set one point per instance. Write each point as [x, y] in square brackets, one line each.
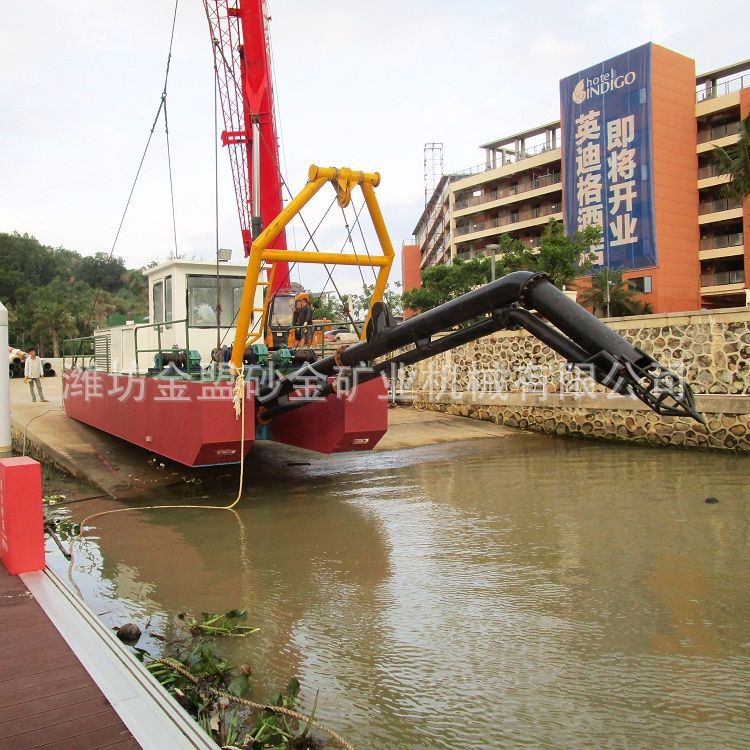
[21, 517]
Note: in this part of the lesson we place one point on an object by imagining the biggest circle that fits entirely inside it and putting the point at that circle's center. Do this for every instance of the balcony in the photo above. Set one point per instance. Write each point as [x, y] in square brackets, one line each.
[511, 157]
[723, 240]
[720, 204]
[721, 89]
[722, 278]
[718, 131]
[710, 170]
[506, 192]
[513, 218]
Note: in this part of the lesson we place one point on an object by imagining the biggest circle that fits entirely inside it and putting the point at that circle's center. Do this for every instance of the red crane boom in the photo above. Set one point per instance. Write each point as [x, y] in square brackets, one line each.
[242, 60]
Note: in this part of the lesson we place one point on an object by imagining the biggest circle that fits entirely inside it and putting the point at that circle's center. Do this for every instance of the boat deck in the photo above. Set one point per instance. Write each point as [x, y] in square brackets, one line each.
[47, 698]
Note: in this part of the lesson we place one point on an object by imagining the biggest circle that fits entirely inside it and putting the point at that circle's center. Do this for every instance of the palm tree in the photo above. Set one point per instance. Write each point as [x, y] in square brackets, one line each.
[735, 161]
[623, 298]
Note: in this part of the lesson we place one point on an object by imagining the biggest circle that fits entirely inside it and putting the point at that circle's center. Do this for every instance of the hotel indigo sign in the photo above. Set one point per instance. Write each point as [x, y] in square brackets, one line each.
[606, 130]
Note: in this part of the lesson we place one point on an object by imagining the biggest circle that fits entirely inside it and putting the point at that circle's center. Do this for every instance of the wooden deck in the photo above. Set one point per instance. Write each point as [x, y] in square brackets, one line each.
[47, 699]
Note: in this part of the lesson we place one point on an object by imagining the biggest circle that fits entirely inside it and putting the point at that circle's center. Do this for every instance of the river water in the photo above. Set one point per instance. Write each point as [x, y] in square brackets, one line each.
[533, 592]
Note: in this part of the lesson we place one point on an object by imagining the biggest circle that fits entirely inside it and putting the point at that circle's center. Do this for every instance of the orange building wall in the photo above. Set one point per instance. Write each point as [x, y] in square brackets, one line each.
[744, 112]
[410, 275]
[410, 259]
[676, 281]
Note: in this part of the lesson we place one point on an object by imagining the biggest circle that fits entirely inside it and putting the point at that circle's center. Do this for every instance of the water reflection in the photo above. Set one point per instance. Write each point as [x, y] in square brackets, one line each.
[552, 593]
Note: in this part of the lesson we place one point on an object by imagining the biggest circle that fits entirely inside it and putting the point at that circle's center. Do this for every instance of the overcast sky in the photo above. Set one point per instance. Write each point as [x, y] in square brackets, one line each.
[358, 84]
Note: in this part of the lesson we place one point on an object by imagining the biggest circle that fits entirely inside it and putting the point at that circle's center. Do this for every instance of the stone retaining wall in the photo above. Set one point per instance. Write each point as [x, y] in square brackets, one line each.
[511, 378]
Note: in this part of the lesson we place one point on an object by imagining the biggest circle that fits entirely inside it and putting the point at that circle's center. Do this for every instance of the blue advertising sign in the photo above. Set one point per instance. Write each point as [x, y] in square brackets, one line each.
[606, 132]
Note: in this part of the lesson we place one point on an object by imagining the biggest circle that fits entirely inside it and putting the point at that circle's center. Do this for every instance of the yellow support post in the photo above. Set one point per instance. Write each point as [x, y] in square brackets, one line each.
[261, 243]
[344, 180]
[385, 243]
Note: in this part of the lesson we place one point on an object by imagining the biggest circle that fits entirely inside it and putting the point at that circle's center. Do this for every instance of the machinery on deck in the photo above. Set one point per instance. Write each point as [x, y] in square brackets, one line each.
[327, 402]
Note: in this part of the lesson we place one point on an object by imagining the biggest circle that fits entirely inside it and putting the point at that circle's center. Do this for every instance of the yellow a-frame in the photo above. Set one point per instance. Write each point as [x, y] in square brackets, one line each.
[344, 180]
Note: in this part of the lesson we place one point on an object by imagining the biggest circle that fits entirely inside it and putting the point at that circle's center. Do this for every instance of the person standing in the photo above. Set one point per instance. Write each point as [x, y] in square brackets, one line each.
[302, 319]
[32, 372]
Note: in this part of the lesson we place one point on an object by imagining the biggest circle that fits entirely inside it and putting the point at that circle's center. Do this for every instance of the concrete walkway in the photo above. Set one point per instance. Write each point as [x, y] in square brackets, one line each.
[43, 431]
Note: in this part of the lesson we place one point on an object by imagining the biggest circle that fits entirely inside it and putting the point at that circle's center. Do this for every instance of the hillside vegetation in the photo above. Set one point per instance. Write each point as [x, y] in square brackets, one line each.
[51, 292]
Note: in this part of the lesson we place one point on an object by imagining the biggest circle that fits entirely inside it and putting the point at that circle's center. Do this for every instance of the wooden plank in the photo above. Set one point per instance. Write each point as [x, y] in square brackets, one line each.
[25, 636]
[48, 717]
[43, 652]
[49, 639]
[124, 745]
[111, 737]
[46, 689]
[30, 681]
[34, 666]
[47, 698]
[77, 733]
[51, 702]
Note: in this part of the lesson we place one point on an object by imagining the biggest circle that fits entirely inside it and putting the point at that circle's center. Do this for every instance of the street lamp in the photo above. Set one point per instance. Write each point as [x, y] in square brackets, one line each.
[607, 286]
[493, 248]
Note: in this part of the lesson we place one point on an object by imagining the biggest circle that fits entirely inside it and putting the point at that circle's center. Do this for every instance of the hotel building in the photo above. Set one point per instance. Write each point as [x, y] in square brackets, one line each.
[665, 221]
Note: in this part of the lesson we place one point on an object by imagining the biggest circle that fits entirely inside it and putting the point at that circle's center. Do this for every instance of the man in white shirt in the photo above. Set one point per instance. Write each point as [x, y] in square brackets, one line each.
[32, 372]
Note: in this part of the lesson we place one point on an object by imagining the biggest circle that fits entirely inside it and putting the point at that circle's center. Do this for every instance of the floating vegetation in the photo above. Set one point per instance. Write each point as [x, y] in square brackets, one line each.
[215, 692]
[228, 623]
[56, 522]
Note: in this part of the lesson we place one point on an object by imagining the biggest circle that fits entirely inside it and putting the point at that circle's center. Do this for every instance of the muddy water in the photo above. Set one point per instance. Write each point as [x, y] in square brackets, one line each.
[526, 593]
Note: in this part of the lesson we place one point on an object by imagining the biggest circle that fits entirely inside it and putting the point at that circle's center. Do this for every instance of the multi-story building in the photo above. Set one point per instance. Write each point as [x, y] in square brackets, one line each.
[699, 241]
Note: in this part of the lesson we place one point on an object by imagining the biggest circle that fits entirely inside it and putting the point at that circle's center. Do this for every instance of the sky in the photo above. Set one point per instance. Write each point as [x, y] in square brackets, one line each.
[358, 84]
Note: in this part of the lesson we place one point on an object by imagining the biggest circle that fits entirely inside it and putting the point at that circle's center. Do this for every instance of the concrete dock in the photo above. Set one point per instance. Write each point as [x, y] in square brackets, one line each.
[44, 432]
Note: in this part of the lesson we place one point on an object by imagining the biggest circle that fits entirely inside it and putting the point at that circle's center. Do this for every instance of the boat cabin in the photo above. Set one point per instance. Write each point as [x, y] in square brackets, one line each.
[182, 304]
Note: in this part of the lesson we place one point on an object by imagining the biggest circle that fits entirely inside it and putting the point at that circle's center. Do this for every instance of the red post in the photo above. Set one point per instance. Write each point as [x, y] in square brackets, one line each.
[21, 518]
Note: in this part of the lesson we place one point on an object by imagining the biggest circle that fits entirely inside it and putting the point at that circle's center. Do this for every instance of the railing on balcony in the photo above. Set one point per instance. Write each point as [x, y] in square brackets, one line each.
[718, 131]
[510, 157]
[710, 170]
[722, 278]
[720, 204]
[723, 240]
[726, 87]
[506, 192]
[512, 218]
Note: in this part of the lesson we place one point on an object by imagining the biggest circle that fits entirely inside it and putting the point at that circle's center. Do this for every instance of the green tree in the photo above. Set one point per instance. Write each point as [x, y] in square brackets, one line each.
[360, 303]
[101, 271]
[623, 298]
[563, 257]
[735, 161]
[43, 287]
[442, 283]
[328, 307]
[49, 317]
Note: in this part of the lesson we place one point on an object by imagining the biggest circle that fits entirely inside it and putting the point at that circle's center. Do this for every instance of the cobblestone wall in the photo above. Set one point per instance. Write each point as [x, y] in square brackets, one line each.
[511, 378]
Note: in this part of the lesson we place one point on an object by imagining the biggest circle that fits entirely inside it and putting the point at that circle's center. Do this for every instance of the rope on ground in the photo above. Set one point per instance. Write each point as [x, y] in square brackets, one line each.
[177, 667]
[239, 405]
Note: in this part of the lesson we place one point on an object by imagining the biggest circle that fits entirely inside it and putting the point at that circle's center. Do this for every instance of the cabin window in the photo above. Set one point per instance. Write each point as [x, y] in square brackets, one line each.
[201, 300]
[157, 298]
[168, 299]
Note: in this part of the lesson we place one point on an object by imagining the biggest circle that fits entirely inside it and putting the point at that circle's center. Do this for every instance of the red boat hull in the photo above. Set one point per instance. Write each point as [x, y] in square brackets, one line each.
[194, 423]
[355, 422]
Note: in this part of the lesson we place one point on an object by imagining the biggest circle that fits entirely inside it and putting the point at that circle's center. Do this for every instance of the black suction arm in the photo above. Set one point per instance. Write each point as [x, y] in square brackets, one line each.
[578, 336]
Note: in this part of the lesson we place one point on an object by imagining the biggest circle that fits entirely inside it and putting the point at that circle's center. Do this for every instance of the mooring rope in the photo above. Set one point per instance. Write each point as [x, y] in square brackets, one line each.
[239, 405]
[180, 669]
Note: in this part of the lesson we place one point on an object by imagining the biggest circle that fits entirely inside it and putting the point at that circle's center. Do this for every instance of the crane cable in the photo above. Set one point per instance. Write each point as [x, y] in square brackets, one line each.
[162, 106]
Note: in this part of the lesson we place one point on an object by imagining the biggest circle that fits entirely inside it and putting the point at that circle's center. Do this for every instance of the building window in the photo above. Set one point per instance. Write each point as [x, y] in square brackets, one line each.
[641, 284]
[201, 300]
[168, 299]
[157, 298]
